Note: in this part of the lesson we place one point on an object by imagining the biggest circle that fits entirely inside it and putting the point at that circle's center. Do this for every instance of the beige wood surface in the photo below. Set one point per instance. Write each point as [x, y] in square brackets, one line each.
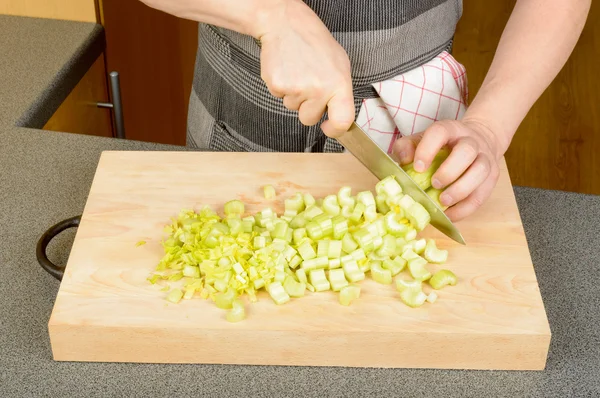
[106, 310]
[72, 10]
[79, 113]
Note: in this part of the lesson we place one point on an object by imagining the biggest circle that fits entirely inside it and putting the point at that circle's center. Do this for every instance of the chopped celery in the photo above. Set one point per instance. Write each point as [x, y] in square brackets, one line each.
[380, 203]
[140, 243]
[358, 254]
[358, 212]
[335, 263]
[306, 251]
[301, 275]
[233, 207]
[349, 294]
[269, 192]
[311, 212]
[413, 298]
[396, 224]
[405, 202]
[296, 203]
[418, 216]
[237, 312]
[395, 266]
[443, 278]
[433, 254]
[225, 300]
[345, 198]
[340, 227]
[315, 263]
[308, 200]
[191, 271]
[337, 279]
[432, 297]
[331, 205]
[352, 271]
[410, 235]
[298, 235]
[175, 296]
[389, 186]
[416, 267]
[409, 254]
[278, 293]
[434, 194]
[418, 246]
[379, 274]
[318, 280]
[348, 244]
[366, 198]
[294, 288]
[370, 213]
[314, 230]
[388, 247]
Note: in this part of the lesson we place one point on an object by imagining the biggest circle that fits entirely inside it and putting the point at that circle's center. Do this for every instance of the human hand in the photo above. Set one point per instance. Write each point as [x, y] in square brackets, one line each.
[470, 172]
[302, 63]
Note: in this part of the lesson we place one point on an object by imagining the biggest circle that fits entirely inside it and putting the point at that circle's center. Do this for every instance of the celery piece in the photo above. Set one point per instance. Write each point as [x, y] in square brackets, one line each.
[295, 261]
[370, 213]
[331, 205]
[311, 212]
[358, 212]
[294, 288]
[278, 293]
[298, 235]
[364, 265]
[340, 227]
[296, 203]
[410, 235]
[352, 271]
[318, 280]
[309, 200]
[140, 243]
[269, 192]
[280, 230]
[402, 284]
[434, 194]
[358, 254]
[301, 275]
[443, 278]
[259, 242]
[348, 244]
[346, 211]
[337, 279]
[388, 247]
[389, 186]
[325, 223]
[395, 266]
[334, 249]
[433, 254]
[258, 283]
[419, 245]
[279, 276]
[233, 207]
[413, 298]
[366, 198]
[247, 225]
[405, 202]
[298, 221]
[423, 178]
[237, 312]
[432, 297]
[380, 203]
[224, 300]
[380, 275]
[322, 248]
[335, 263]
[306, 251]
[310, 288]
[364, 239]
[314, 231]
[191, 271]
[175, 296]
[418, 216]
[189, 292]
[315, 263]
[349, 294]
[344, 197]
[396, 224]
[416, 267]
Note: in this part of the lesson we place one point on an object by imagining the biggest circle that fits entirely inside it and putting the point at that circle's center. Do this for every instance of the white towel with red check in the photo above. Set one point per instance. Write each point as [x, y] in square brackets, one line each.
[410, 102]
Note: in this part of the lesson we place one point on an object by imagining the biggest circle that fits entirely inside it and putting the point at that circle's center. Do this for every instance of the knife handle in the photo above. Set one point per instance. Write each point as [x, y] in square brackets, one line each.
[42, 245]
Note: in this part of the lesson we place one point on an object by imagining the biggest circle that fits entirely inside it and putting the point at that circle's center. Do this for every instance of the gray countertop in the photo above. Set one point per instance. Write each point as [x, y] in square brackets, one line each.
[45, 177]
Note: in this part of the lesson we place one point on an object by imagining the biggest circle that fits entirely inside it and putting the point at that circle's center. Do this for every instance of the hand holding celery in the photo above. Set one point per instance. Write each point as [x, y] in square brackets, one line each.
[329, 244]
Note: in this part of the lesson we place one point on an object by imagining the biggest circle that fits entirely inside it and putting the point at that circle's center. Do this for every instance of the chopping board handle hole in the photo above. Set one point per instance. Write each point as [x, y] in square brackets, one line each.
[42, 258]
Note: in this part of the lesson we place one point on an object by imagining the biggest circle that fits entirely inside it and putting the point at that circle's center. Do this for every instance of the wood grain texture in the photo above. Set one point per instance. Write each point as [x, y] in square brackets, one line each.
[72, 10]
[154, 53]
[106, 311]
[557, 145]
[79, 113]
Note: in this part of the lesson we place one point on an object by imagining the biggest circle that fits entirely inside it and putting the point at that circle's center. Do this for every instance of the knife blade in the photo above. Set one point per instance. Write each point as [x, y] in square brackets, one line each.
[359, 144]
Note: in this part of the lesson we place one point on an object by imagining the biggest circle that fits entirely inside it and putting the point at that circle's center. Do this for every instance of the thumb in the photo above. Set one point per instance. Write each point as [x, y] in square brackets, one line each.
[405, 147]
[340, 112]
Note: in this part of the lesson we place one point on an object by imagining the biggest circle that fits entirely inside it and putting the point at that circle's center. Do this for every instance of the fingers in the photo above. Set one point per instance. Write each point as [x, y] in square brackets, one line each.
[292, 102]
[473, 201]
[462, 156]
[475, 176]
[434, 138]
[311, 111]
[404, 148]
[341, 113]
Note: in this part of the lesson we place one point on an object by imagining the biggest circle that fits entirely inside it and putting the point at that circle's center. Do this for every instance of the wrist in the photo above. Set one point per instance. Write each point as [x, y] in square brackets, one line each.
[269, 16]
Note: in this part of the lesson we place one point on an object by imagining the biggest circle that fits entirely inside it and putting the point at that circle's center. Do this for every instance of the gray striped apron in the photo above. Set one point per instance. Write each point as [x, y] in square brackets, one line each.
[231, 109]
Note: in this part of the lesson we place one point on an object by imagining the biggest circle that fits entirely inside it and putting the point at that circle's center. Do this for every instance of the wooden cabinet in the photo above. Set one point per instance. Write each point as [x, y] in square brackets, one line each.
[79, 112]
[154, 53]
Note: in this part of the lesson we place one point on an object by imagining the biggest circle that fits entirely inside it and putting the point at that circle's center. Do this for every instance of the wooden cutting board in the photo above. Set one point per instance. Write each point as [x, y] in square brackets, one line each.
[106, 310]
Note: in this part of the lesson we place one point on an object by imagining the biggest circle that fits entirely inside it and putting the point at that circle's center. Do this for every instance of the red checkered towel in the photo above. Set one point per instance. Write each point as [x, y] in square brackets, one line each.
[412, 101]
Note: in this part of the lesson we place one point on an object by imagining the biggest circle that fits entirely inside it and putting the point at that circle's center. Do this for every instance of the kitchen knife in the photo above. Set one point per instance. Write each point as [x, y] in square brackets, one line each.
[357, 142]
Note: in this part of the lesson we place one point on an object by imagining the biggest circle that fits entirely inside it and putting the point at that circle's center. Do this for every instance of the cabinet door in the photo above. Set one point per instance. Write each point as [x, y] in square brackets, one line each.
[79, 113]
[154, 54]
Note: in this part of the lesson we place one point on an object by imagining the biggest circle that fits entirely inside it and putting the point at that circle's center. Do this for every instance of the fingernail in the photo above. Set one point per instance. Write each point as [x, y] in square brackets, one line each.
[419, 166]
[446, 199]
[436, 183]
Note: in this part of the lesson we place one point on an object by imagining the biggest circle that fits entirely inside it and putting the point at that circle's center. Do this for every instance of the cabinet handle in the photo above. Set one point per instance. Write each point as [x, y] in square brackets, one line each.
[116, 105]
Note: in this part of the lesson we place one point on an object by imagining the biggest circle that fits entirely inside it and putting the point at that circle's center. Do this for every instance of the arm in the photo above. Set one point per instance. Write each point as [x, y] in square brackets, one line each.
[301, 62]
[537, 41]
